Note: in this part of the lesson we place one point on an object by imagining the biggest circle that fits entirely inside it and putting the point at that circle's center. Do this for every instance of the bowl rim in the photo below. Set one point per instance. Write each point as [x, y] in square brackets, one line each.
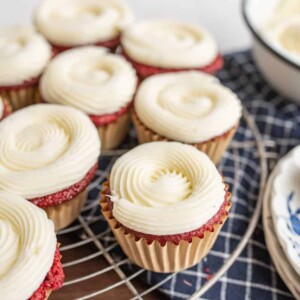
[262, 41]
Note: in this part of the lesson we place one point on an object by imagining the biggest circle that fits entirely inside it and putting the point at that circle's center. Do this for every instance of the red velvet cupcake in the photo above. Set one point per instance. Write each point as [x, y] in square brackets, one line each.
[30, 260]
[23, 57]
[97, 82]
[165, 203]
[76, 23]
[49, 156]
[161, 46]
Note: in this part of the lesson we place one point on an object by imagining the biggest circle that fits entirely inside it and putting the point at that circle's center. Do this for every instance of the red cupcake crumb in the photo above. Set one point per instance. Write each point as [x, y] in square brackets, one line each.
[53, 281]
[109, 118]
[176, 238]
[66, 194]
[110, 44]
[25, 84]
[145, 70]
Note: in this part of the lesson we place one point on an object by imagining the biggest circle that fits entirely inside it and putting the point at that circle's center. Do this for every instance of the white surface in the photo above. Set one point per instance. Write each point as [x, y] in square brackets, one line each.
[223, 17]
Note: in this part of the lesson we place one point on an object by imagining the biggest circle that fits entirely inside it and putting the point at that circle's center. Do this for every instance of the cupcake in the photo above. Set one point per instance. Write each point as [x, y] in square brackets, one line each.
[163, 46]
[48, 155]
[29, 255]
[165, 203]
[189, 107]
[23, 57]
[98, 83]
[72, 23]
[5, 108]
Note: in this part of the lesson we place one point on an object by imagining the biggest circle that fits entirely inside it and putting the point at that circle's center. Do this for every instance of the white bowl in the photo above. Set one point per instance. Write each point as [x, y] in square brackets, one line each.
[280, 71]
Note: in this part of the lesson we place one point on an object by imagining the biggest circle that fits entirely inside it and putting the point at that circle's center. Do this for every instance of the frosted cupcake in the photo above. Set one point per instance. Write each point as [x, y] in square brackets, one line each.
[190, 107]
[71, 23]
[29, 255]
[99, 83]
[23, 57]
[5, 108]
[165, 203]
[48, 155]
[162, 46]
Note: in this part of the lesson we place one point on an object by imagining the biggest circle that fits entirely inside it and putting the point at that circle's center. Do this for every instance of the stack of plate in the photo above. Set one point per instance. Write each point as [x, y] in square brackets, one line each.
[281, 218]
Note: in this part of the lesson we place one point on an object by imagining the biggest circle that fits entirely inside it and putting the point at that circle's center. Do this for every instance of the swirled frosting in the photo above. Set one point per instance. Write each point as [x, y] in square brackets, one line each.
[89, 79]
[283, 29]
[28, 244]
[80, 22]
[46, 148]
[165, 188]
[169, 44]
[189, 107]
[23, 54]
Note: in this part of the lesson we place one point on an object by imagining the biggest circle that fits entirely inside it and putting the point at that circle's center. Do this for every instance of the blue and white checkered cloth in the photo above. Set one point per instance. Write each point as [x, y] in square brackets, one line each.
[253, 275]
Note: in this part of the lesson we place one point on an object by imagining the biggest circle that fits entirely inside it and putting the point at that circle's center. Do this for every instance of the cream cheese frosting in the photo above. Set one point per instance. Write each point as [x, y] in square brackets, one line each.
[282, 30]
[46, 148]
[90, 79]
[80, 22]
[169, 44]
[189, 107]
[165, 188]
[23, 54]
[28, 245]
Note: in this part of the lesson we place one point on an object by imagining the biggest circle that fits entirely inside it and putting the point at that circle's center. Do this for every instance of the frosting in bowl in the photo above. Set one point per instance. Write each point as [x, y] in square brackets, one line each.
[28, 244]
[282, 30]
[169, 44]
[165, 188]
[80, 22]
[189, 107]
[46, 148]
[90, 79]
[23, 54]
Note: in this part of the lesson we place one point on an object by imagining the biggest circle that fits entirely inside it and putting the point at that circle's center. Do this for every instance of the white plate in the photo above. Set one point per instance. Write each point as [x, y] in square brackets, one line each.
[281, 262]
[285, 205]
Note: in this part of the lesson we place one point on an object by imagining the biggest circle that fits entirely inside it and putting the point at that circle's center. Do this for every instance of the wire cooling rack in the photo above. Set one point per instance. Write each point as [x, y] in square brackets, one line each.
[95, 266]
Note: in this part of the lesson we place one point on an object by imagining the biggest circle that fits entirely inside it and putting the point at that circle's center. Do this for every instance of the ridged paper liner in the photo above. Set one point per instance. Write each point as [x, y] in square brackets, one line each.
[65, 213]
[112, 134]
[157, 258]
[214, 148]
[48, 293]
[20, 97]
[7, 107]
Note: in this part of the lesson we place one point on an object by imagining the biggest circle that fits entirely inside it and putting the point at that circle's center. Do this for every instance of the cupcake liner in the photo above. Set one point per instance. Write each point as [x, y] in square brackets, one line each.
[157, 258]
[65, 213]
[7, 108]
[112, 134]
[48, 293]
[20, 97]
[214, 147]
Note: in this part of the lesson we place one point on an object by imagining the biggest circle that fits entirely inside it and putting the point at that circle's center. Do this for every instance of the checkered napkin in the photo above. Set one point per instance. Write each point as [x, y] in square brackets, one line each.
[253, 275]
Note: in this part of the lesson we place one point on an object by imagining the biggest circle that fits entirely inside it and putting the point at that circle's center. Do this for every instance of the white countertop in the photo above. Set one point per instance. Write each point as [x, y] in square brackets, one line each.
[222, 17]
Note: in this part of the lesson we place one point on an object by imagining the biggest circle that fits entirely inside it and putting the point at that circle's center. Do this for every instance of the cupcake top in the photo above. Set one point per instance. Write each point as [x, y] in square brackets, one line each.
[78, 22]
[189, 107]
[169, 44]
[28, 245]
[90, 79]
[165, 188]
[23, 55]
[46, 148]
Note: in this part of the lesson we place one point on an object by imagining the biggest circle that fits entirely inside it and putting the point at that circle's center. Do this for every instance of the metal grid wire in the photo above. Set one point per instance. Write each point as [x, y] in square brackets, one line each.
[95, 271]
